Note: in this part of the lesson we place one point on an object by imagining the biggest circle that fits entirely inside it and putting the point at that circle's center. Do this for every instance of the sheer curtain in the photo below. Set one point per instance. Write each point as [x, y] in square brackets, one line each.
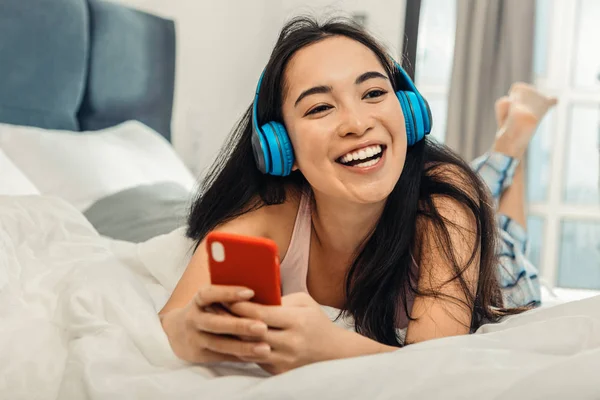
[493, 49]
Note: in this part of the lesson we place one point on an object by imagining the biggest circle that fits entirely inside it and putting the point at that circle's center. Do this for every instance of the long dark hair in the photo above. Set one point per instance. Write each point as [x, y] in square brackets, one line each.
[382, 277]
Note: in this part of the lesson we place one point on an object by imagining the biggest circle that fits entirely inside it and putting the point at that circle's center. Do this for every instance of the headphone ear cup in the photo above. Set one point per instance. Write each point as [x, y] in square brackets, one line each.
[260, 150]
[429, 125]
[420, 106]
[285, 147]
[279, 149]
[419, 113]
[409, 118]
[271, 146]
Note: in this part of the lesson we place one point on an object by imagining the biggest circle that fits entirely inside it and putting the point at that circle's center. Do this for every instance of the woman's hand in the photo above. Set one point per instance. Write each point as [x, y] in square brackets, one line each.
[300, 333]
[200, 333]
[518, 116]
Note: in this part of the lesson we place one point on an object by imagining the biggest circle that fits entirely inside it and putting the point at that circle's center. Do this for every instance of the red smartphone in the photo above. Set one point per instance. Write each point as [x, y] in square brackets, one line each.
[252, 262]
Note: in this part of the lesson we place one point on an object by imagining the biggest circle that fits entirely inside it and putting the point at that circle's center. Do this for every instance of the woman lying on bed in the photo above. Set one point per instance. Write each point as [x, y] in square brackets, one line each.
[369, 217]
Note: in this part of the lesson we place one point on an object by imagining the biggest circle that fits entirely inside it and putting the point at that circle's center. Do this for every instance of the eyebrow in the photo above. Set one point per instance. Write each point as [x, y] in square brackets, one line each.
[369, 75]
[311, 91]
[327, 89]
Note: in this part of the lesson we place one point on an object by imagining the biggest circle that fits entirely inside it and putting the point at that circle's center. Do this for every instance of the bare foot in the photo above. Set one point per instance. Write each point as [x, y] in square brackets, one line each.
[529, 97]
[518, 116]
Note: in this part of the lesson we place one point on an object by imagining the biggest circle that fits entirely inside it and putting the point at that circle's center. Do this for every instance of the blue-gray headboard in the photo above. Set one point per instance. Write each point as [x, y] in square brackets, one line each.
[85, 65]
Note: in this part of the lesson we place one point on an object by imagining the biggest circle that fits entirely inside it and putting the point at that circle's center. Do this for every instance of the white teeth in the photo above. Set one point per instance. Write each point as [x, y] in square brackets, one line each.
[361, 154]
[368, 163]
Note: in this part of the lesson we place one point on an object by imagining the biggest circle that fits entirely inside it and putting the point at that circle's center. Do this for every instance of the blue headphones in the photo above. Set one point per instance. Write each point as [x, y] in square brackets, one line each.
[273, 150]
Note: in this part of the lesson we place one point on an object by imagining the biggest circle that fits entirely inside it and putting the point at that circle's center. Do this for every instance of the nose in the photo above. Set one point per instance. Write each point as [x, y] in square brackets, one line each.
[354, 121]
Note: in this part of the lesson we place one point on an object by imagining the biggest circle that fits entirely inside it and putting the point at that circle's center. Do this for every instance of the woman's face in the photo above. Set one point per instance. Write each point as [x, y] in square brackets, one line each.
[344, 120]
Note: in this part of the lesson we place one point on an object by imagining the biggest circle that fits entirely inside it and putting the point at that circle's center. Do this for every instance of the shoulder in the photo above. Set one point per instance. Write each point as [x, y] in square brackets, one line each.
[279, 220]
[450, 217]
[460, 177]
[275, 222]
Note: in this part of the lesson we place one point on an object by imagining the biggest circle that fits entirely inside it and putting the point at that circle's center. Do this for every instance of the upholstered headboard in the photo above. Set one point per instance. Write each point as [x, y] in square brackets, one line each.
[85, 65]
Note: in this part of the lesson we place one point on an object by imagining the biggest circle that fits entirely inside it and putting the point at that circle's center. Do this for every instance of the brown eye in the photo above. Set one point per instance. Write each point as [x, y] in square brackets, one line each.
[374, 94]
[318, 109]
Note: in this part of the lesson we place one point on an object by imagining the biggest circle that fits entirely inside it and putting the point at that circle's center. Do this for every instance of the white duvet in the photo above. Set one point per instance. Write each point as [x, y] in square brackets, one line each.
[78, 321]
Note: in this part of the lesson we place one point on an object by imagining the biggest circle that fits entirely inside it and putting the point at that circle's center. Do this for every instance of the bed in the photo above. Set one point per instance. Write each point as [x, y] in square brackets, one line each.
[85, 111]
[92, 215]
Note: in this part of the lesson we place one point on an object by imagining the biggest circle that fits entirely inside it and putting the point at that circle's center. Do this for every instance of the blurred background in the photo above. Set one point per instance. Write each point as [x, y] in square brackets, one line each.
[463, 54]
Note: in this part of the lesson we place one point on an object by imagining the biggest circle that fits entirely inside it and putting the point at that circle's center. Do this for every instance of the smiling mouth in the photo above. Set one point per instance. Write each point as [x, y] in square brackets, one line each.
[363, 158]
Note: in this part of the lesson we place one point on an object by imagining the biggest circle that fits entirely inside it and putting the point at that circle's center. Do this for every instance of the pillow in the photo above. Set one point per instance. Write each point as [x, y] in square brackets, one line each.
[12, 180]
[82, 167]
[141, 213]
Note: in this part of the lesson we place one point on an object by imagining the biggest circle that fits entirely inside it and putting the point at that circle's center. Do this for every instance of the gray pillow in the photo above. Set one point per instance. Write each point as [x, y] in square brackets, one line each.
[142, 212]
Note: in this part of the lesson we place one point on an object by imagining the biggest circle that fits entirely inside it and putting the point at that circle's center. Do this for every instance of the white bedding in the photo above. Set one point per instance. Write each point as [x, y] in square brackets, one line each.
[78, 321]
[75, 166]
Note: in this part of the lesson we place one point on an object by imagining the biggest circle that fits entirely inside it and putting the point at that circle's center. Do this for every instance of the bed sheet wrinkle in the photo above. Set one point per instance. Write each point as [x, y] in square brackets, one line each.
[79, 321]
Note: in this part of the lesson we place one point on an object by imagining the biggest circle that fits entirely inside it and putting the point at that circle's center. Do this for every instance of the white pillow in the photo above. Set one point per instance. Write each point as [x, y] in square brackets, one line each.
[83, 167]
[12, 180]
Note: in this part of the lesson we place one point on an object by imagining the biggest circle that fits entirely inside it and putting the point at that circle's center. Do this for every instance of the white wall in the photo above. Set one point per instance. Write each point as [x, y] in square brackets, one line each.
[385, 18]
[222, 48]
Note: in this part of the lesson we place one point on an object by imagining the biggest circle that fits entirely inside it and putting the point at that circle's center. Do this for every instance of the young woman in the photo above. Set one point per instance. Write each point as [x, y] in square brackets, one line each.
[392, 229]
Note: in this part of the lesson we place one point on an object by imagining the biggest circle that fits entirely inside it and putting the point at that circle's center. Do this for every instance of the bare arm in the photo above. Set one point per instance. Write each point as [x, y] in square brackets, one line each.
[449, 313]
[196, 275]
[197, 331]
[254, 223]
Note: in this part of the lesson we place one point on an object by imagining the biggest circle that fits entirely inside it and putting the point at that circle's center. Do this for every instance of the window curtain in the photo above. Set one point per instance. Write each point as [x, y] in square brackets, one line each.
[493, 49]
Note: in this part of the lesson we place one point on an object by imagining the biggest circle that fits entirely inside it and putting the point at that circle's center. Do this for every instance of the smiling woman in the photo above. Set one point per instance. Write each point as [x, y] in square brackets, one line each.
[356, 108]
[370, 217]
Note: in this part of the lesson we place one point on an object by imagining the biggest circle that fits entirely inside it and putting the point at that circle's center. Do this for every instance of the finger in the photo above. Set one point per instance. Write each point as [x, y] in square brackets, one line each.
[229, 325]
[200, 354]
[249, 338]
[209, 357]
[213, 309]
[226, 345]
[222, 294]
[273, 316]
[223, 309]
[279, 340]
[227, 308]
[219, 309]
[273, 358]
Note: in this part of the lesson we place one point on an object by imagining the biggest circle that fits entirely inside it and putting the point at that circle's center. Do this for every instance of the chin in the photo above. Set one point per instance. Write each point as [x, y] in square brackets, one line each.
[370, 195]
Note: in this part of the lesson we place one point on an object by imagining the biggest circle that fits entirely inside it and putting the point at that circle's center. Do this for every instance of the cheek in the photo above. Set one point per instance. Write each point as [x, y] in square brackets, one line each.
[310, 145]
[402, 140]
[396, 126]
[399, 125]
[394, 123]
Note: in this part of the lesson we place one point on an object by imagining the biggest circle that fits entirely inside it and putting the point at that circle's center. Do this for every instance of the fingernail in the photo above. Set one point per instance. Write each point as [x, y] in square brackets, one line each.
[258, 328]
[246, 293]
[262, 349]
